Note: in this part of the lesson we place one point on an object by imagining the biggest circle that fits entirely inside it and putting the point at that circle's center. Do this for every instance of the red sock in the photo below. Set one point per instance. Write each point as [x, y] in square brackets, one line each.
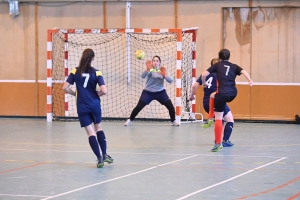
[218, 131]
[211, 108]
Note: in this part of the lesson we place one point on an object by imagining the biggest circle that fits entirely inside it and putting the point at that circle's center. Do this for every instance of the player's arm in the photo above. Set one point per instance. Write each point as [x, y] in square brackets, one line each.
[148, 65]
[102, 90]
[193, 91]
[204, 75]
[102, 87]
[245, 73]
[67, 89]
[163, 71]
[147, 69]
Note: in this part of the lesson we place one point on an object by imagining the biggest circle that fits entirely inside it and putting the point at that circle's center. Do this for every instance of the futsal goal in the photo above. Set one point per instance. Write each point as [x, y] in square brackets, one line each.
[115, 58]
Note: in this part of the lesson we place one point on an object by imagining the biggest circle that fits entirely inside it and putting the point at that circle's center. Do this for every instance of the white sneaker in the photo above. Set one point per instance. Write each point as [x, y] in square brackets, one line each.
[175, 123]
[128, 122]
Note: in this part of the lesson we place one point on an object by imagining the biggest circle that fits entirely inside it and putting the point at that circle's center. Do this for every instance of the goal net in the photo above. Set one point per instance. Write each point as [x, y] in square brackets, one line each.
[115, 58]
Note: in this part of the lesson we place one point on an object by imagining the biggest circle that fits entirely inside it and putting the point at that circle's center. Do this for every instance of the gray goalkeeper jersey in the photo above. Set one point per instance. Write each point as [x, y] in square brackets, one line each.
[155, 81]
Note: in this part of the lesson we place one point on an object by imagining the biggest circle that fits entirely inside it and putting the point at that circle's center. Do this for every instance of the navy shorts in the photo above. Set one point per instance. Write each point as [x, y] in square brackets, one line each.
[206, 107]
[221, 100]
[87, 118]
[160, 96]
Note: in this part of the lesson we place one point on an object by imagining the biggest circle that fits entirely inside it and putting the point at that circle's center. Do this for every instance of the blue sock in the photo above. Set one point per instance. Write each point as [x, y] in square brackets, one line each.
[227, 130]
[94, 145]
[102, 141]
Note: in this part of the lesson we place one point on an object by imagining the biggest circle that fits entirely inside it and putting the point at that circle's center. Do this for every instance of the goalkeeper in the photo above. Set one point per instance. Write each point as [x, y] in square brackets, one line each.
[154, 90]
[208, 104]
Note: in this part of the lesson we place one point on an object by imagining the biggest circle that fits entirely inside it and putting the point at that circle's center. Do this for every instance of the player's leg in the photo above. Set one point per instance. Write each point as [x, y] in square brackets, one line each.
[220, 102]
[218, 131]
[103, 144]
[228, 117]
[211, 114]
[85, 120]
[145, 99]
[169, 105]
[140, 105]
[206, 105]
[96, 117]
[94, 144]
[163, 98]
[211, 105]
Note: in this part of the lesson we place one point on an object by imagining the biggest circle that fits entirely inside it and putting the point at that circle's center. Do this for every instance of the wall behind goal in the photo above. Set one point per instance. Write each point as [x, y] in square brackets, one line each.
[23, 50]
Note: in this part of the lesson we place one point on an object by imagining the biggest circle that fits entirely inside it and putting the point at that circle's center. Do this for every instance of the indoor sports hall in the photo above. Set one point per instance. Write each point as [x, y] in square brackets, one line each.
[44, 152]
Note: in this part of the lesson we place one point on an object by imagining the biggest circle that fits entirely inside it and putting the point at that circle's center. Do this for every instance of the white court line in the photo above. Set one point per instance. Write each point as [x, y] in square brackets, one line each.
[120, 177]
[235, 177]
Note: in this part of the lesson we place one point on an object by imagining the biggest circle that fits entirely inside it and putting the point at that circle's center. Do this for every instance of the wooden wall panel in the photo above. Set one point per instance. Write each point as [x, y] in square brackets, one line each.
[240, 106]
[199, 104]
[22, 99]
[18, 99]
[275, 102]
[42, 97]
[261, 102]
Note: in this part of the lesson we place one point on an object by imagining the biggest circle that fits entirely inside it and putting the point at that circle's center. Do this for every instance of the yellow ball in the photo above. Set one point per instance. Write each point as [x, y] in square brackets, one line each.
[140, 54]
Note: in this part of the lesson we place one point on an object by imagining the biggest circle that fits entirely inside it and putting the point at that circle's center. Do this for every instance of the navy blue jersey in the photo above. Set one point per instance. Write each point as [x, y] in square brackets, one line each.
[211, 82]
[226, 74]
[86, 95]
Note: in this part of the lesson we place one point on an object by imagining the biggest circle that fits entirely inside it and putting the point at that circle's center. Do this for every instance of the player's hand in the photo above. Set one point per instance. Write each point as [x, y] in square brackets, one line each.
[163, 71]
[192, 98]
[100, 93]
[250, 83]
[148, 65]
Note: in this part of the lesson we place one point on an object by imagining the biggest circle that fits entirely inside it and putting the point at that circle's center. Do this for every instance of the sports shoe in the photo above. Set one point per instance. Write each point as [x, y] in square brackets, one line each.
[217, 147]
[174, 123]
[128, 122]
[227, 143]
[207, 123]
[100, 163]
[108, 159]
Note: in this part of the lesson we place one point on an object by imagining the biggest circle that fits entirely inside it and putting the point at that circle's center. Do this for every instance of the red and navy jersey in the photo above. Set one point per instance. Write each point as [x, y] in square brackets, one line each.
[86, 94]
[226, 74]
[211, 82]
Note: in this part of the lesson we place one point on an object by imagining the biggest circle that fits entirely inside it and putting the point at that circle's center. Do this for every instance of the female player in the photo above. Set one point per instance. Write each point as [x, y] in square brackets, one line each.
[154, 90]
[88, 103]
[208, 104]
[226, 73]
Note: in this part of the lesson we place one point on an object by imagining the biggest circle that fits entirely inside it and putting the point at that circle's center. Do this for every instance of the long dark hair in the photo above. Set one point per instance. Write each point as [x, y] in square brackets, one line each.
[86, 60]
